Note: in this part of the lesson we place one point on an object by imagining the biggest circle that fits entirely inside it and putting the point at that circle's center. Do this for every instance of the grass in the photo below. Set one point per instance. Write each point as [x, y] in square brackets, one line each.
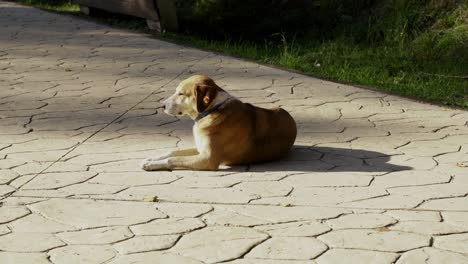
[57, 5]
[409, 66]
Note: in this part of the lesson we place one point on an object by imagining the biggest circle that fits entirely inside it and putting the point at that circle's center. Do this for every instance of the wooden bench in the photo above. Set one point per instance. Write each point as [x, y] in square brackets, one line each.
[160, 15]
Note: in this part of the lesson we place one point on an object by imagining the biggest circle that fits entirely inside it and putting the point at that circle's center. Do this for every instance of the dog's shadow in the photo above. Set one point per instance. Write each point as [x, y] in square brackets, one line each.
[321, 159]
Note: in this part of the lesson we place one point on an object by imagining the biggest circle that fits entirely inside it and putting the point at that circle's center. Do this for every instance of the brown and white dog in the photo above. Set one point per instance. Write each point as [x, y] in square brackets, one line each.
[226, 131]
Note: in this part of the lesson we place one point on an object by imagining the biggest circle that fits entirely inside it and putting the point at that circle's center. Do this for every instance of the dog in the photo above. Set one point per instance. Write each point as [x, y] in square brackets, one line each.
[226, 130]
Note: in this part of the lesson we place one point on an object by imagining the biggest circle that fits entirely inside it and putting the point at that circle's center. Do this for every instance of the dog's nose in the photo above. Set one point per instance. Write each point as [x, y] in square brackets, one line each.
[164, 107]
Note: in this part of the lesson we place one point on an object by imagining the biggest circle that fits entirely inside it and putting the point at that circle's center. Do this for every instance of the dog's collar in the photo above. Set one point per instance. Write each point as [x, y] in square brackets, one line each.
[211, 110]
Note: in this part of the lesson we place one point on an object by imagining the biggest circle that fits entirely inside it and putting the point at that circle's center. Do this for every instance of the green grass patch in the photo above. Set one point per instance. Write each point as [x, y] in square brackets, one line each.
[389, 69]
[53, 5]
[420, 53]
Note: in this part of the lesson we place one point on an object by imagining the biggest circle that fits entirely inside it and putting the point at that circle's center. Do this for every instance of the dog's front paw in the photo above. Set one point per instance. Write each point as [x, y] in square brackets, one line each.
[152, 164]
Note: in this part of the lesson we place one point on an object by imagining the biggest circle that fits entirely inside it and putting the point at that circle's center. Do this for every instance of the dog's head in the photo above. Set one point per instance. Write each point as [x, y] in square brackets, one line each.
[193, 96]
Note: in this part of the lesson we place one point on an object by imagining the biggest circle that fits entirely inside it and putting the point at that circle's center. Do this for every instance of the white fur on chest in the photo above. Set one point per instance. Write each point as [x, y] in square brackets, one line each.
[201, 141]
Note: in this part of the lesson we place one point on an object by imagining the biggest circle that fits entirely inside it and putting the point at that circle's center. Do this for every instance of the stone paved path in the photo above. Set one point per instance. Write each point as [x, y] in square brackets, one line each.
[373, 178]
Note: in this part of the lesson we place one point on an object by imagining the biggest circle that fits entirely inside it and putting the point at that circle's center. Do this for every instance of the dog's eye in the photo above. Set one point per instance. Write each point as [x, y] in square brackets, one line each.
[181, 94]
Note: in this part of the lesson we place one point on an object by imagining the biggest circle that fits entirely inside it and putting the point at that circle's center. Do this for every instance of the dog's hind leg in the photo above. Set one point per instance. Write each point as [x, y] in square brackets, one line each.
[196, 162]
[178, 153]
[175, 153]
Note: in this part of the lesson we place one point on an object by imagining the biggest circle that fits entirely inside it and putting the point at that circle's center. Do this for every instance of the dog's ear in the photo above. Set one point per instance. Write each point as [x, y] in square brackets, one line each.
[204, 94]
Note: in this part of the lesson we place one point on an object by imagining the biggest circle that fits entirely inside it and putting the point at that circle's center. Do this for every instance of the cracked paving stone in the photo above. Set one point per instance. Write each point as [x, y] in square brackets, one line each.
[216, 243]
[168, 226]
[342, 256]
[35, 223]
[208, 182]
[317, 196]
[361, 221]
[91, 188]
[327, 179]
[31, 168]
[430, 228]
[6, 189]
[7, 176]
[41, 193]
[96, 213]
[10, 213]
[17, 258]
[57, 180]
[431, 149]
[386, 202]
[183, 194]
[409, 178]
[146, 243]
[458, 218]
[431, 256]
[390, 241]
[403, 215]
[269, 261]
[297, 248]
[10, 163]
[456, 242]
[96, 236]
[448, 204]
[230, 218]
[292, 166]
[134, 178]
[296, 229]
[265, 189]
[432, 191]
[28, 242]
[19, 201]
[154, 257]
[77, 254]
[277, 214]
[184, 209]
[4, 230]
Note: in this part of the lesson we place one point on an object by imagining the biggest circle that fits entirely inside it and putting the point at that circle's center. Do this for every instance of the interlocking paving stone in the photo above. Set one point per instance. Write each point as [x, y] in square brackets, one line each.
[429, 228]
[456, 242]
[337, 256]
[214, 244]
[28, 242]
[168, 226]
[6, 189]
[295, 229]
[431, 256]
[414, 215]
[269, 261]
[89, 213]
[35, 223]
[390, 241]
[4, 230]
[77, 254]
[184, 210]
[370, 174]
[13, 258]
[146, 243]
[57, 180]
[7, 176]
[288, 248]
[154, 257]
[10, 213]
[96, 236]
[361, 221]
